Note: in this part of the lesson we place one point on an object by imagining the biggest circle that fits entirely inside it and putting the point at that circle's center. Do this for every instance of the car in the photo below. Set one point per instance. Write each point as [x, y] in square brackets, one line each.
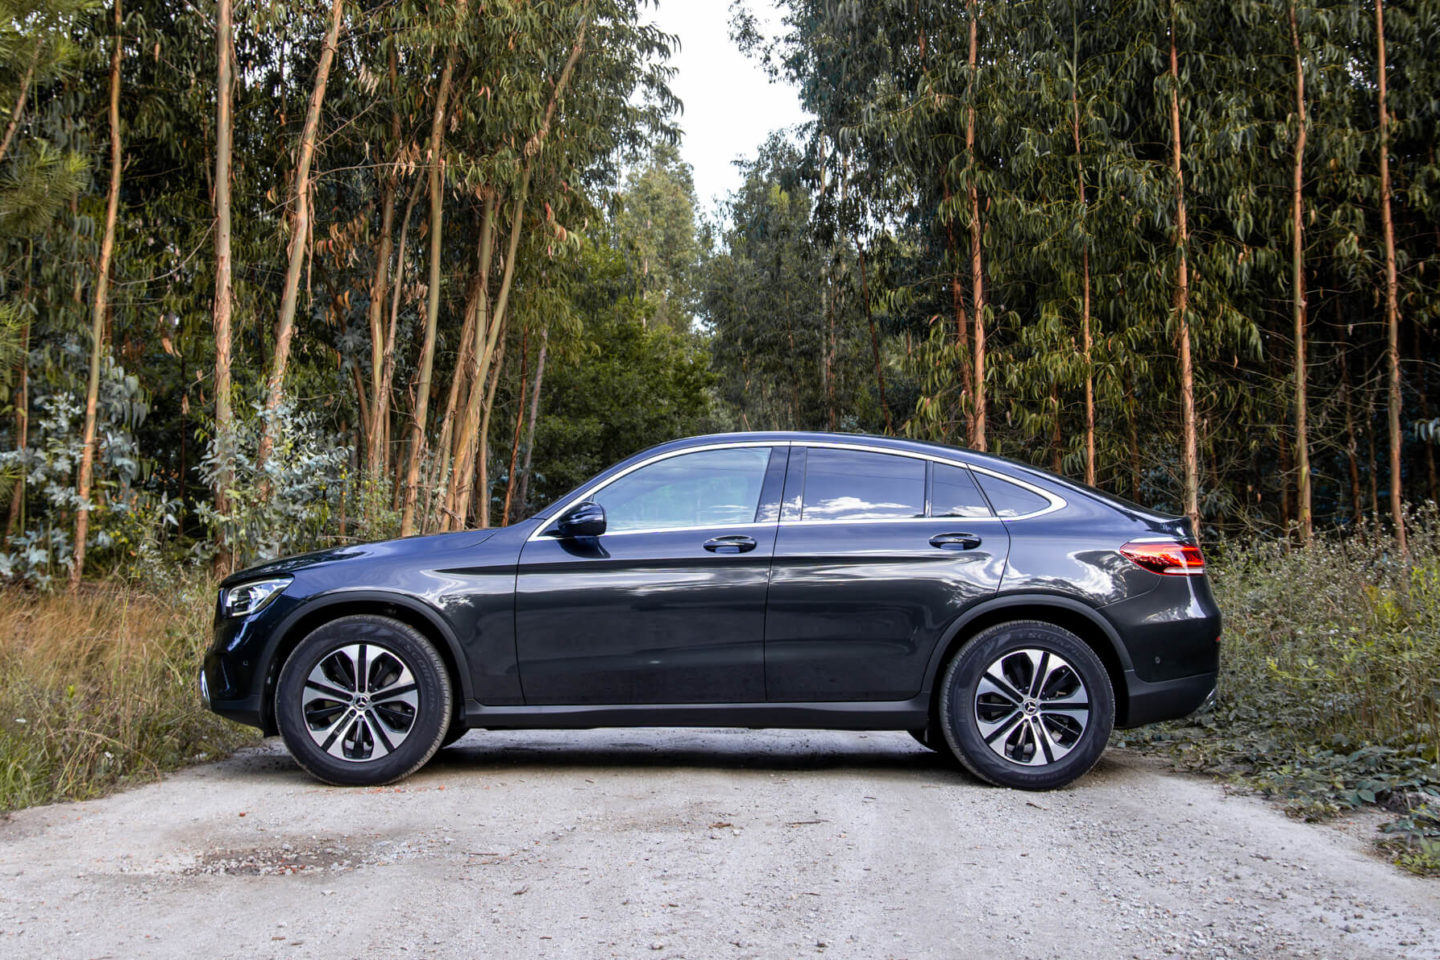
[1001, 614]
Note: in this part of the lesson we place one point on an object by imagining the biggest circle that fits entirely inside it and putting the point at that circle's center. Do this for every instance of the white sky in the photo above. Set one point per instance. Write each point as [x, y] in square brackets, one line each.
[730, 104]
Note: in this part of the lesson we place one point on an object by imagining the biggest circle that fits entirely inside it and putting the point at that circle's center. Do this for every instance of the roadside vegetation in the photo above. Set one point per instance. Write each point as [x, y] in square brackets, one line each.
[97, 689]
[1330, 687]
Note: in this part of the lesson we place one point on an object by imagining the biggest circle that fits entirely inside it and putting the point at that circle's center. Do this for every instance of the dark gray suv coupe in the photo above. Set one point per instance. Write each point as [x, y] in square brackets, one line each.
[997, 612]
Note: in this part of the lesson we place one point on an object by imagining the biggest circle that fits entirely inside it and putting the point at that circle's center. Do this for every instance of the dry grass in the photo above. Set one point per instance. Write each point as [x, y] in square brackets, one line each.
[98, 688]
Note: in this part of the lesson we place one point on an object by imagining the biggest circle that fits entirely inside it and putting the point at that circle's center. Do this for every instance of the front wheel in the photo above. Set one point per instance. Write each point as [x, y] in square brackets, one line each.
[363, 700]
[1027, 705]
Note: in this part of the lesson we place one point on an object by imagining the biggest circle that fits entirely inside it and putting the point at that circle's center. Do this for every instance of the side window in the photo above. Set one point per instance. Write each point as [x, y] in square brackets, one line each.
[954, 493]
[701, 489]
[857, 485]
[1009, 499]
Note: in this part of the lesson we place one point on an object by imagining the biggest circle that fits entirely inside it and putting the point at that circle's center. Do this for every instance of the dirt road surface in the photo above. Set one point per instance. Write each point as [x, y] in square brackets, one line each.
[697, 844]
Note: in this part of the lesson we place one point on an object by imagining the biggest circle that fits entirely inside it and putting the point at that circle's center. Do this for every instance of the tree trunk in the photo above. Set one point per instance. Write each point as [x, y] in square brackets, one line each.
[19, 111]
[1190, 445]
[97, 314]
[16, 518]
[374, 425]
[1086, 335]
[524, 488]
[1057, 437]
[462, 471]
[1297, 285]
[299, 240]
[519, 425]
[1352, 456]
[224, 420]
[977, 273]
[482, 446]
[874, 340]
[381, 411]
[1392, 304]
[432, 308]
[962, 325]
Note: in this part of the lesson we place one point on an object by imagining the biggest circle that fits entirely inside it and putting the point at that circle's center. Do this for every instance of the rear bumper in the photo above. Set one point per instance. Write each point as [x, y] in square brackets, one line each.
[1165, 699]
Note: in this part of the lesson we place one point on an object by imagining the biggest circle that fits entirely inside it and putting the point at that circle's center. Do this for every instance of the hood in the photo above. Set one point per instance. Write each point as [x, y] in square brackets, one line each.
[404, 546]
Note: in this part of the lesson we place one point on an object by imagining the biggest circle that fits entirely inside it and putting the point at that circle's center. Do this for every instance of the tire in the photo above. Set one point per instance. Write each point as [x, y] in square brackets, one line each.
[372, 733]
[1041, 736]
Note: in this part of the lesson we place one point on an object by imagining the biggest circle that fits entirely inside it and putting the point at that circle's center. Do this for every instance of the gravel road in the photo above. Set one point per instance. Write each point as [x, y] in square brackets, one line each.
[699, 844]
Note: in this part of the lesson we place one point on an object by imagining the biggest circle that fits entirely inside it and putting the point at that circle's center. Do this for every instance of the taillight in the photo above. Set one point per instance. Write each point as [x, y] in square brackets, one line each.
[1168, 557]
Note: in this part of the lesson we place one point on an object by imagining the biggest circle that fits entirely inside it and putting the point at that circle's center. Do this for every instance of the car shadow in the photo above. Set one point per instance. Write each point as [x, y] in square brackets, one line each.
[766, 751]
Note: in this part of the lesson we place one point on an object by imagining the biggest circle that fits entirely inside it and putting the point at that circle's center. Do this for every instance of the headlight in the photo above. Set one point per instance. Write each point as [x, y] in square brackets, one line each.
[251, 597]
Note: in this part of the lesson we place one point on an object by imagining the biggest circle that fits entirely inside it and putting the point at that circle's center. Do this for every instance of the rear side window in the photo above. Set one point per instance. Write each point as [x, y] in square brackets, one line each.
[1010, 499]
[858, 485]
[954, 493]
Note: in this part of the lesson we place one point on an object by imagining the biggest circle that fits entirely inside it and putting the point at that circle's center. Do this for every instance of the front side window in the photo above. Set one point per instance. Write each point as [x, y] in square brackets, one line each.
[858, 485]
[702, 489]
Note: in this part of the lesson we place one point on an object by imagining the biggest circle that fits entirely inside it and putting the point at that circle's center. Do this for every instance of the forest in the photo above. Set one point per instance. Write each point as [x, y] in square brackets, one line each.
[275, 276]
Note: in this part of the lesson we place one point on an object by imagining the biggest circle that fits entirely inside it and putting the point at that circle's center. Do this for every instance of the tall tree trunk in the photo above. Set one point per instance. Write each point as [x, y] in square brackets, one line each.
[1392, 302]
[519, 425]
[962, 323]
[1297, 284]
[19, 112]
[432, 308]
[1190, 445]
[1086, 335]
[97, 313]
[874, 340]
[16, 518]
[381, 410]
[977, 272]
[374, 424]
[1352, 456]
[524, 488]
[299, 240]
[1057, 436]
[482, 446]
[462, 471]
[223, 305]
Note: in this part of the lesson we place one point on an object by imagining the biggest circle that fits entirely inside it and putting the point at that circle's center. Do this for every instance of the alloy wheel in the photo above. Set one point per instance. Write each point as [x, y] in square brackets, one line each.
[1031, 707]
[360, 702]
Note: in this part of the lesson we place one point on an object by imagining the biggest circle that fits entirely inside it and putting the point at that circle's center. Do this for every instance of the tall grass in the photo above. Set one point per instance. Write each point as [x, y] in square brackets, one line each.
[98, 688]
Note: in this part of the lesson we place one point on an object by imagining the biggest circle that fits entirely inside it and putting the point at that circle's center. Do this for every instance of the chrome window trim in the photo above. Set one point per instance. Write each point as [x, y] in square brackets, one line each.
[1056, 502]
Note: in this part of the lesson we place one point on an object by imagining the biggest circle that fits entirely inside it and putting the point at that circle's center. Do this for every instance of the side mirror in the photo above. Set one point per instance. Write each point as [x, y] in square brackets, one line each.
[583, 520]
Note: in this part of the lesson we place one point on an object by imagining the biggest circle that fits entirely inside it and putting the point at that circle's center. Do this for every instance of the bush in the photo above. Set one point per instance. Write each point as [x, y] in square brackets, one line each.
[1329, 692]
[99, 688]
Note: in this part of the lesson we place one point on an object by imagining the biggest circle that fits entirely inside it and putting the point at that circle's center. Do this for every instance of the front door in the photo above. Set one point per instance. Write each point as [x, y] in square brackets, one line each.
[668, 605]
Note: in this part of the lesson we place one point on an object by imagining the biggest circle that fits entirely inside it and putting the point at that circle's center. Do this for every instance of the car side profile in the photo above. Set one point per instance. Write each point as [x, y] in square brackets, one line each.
[998, 612]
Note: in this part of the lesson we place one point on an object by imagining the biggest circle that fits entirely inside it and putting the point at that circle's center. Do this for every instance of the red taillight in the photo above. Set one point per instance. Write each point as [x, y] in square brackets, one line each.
[1168, 557]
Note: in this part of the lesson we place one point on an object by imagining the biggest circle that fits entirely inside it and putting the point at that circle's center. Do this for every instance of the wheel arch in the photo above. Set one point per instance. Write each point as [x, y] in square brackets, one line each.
[1073, 615]
[320, 610]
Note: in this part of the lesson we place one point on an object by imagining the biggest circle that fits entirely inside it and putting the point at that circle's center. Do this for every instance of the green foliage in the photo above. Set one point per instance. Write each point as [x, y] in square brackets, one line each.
[1329, 694]
[632, 383]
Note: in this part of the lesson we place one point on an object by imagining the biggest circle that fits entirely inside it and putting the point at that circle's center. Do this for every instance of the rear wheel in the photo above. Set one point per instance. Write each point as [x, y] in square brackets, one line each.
[1027, 705]
[363, 700]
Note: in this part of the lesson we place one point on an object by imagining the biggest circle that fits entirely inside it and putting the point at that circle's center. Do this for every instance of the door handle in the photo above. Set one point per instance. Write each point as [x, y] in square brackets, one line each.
[955, 541]
[731, 544]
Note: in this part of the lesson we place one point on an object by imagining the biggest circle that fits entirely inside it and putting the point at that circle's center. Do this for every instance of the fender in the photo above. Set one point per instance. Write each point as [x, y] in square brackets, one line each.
[335, 598]
[1052, 600]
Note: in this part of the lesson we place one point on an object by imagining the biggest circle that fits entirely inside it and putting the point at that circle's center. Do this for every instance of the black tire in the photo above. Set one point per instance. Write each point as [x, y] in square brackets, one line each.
[370, 733]
[1040, 738]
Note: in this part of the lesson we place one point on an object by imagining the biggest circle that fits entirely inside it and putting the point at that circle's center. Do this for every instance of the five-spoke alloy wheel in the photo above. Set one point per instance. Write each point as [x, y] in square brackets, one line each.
[1026, 704]
[363, 700]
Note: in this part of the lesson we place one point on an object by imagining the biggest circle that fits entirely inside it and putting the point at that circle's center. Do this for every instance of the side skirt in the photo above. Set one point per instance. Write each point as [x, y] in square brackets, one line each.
[867, 715]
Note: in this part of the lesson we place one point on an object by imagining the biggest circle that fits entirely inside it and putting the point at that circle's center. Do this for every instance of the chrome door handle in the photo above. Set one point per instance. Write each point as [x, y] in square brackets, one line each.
[955, 541]
[731, 544]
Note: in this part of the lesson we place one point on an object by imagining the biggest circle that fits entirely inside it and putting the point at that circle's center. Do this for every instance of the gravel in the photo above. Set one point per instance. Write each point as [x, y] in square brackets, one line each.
[699, 844]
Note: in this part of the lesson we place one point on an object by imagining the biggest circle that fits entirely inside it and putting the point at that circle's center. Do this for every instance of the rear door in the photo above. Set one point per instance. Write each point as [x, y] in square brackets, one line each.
[876, 554]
